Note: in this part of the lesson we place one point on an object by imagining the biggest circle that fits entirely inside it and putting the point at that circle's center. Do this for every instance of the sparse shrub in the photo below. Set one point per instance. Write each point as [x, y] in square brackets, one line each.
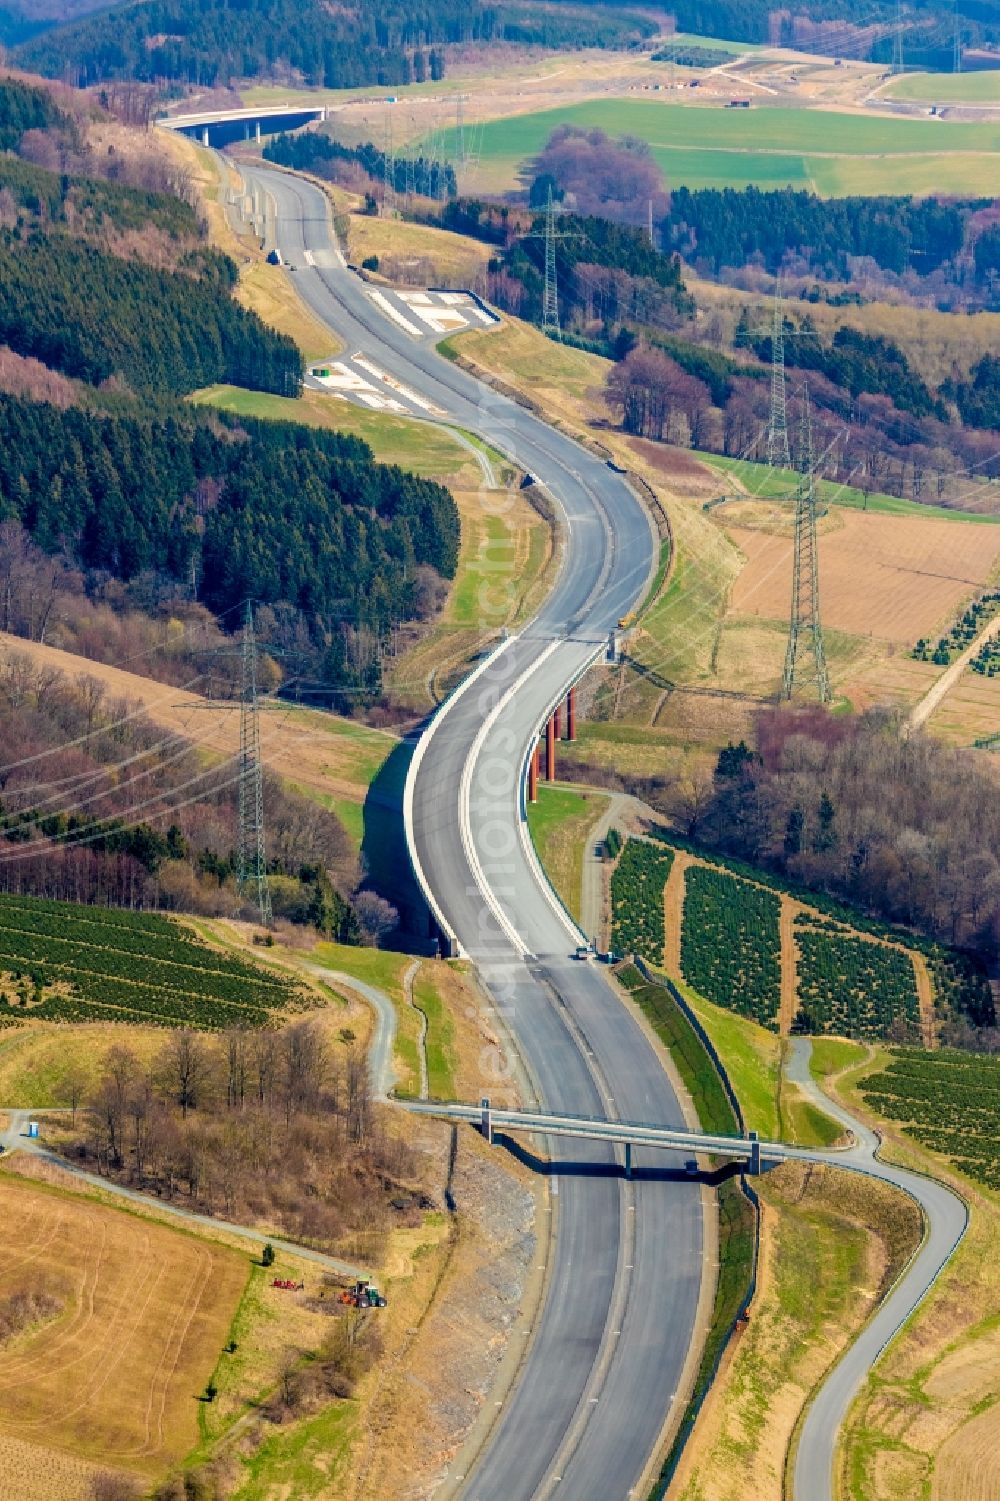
[109, 1486]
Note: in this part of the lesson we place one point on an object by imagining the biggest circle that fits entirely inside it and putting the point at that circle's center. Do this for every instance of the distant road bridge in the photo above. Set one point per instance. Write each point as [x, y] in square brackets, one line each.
[224, 127]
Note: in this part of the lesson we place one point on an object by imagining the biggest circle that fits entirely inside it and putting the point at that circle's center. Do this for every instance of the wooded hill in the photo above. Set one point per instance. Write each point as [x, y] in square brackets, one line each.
[383, 42]
[98, 805]
[114, 477]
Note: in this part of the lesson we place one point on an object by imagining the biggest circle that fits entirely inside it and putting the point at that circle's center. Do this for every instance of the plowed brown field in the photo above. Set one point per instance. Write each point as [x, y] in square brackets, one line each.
[114, 1377]
[893, 577]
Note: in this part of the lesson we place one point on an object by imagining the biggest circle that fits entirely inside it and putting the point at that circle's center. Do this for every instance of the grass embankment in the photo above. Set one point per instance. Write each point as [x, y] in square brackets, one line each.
[736, 1213]
[831, 1244]
[559, 825]
[927, 1423]
[406, 251]
[448, 1018]
[35, 1057]
[947, 88]
[753, 1058]
[762, 481]
[421, 447]
[769, 146]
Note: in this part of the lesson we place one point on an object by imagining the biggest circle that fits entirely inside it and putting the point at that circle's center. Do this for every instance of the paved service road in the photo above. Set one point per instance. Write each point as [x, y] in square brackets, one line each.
[607, 1352]
[945, 1220]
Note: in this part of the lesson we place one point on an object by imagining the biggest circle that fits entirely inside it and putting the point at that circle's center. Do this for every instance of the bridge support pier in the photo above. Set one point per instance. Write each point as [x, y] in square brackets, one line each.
[533, 775]
[571, 714]
[204, 136]
[486, 1125]
[550, 749]
[753, 1167]
[256, 130]
[628, 1161]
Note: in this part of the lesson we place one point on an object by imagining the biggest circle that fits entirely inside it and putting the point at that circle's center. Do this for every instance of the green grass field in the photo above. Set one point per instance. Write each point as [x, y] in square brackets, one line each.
[751, 1056]
[559, 824]
[947, 88]
[703, 146]
[779, 484]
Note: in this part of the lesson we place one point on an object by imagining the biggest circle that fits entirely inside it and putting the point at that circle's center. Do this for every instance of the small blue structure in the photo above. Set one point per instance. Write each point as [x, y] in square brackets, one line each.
[32, 1128]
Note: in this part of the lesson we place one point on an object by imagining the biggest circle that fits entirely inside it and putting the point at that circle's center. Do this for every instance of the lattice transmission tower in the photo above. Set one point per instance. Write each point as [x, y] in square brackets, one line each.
[805, 658]
[897, 40]
[389, 167]
[957, 44]
[251, 854]
[550, 299]
[778, 453]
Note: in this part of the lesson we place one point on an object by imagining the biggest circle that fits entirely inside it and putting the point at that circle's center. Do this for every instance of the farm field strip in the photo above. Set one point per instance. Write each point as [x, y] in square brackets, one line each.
[851, 975]
[152, 970]
[947, 1101]
[145, 1309]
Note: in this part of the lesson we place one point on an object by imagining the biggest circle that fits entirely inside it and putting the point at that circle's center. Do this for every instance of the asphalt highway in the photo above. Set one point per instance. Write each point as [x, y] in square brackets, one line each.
[606, 1355]
[604, 1361]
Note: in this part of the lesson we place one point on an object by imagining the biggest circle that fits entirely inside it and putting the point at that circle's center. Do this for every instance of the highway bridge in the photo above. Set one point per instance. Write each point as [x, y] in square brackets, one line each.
[225, 127]
[608, 1359]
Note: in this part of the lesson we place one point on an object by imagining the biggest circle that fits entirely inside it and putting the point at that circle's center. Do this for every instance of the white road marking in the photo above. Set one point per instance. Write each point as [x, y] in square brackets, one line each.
[394, 313]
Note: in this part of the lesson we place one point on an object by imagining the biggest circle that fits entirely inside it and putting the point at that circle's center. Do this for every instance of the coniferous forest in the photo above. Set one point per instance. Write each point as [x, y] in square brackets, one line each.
[372, 42]
[112, 307]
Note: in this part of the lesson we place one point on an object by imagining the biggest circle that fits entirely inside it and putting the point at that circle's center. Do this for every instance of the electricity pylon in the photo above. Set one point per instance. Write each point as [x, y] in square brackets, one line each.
[957, 55]
[460, 128]
[550, 299]
[778, 454]
[805, 632]
[251, 858]
[389, 164]
[897, 40]
[251, 855]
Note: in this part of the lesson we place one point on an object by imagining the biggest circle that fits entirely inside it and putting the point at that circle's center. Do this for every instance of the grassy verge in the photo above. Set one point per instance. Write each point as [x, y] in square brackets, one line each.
[752, 1059]
[779, 484]
[440, 1039]
[831, 1243]
[446, 258]
[559, 824]
[737, 1233]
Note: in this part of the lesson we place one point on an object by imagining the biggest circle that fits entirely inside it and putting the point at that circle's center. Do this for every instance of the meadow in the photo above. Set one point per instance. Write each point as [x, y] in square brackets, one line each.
[947, 88]
[703, 146]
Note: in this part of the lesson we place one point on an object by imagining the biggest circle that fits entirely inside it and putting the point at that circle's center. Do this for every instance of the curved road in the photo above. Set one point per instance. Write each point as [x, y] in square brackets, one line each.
[945, 1220]
[608, 1351]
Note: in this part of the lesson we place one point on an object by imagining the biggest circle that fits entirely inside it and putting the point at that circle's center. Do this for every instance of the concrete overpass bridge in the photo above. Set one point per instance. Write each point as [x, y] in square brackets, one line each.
[748, 1150]
[225, 127]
